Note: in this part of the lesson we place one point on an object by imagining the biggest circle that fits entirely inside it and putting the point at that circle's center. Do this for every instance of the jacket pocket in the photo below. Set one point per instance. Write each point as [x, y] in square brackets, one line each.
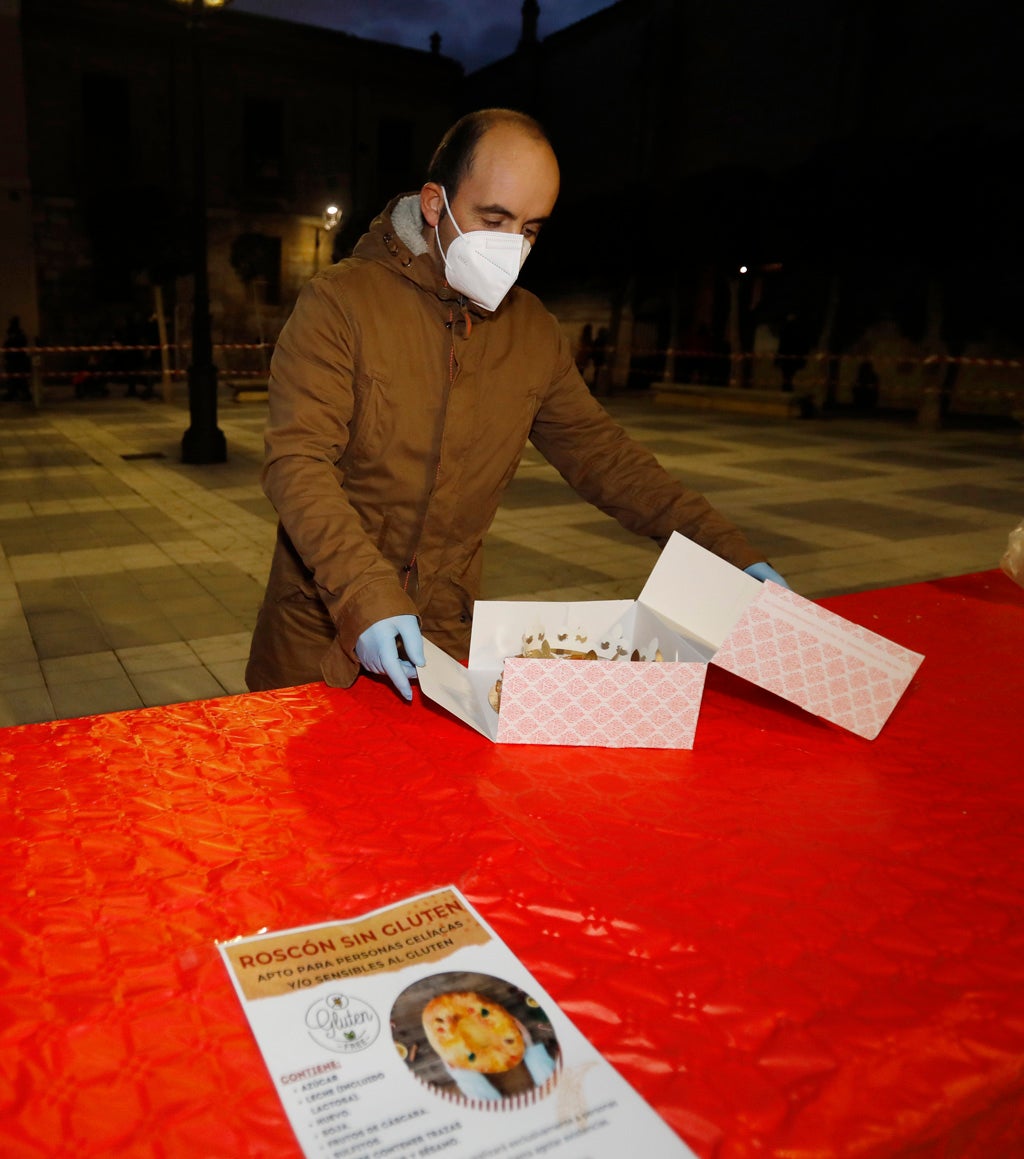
[382, 534]
[500, 445]
[372, 423]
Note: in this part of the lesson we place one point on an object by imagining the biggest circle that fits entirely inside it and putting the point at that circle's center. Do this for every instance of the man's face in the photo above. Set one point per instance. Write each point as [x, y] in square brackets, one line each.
[512, 188]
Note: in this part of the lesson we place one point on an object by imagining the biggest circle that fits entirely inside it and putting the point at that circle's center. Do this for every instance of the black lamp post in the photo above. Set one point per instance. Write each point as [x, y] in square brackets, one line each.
[203, 442]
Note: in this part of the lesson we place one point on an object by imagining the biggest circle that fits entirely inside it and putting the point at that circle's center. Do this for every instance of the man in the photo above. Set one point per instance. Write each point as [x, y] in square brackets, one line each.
[402, 392]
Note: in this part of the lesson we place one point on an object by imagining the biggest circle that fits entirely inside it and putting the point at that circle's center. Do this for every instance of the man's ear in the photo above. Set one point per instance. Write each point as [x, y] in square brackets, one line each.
[431, 203]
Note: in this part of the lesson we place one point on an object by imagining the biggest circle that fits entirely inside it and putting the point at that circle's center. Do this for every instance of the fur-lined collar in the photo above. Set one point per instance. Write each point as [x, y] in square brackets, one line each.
[407, 222]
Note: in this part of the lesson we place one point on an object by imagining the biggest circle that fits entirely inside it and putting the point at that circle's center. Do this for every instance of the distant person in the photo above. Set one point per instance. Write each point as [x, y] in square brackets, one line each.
[794, 345]
[700, 351]
[584, 357]
[865, 388]
[599, 356]
[137, 361]
[17, 363]
[403, 390]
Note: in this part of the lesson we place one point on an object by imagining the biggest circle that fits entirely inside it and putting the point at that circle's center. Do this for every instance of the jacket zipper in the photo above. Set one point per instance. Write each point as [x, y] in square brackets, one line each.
[444, 415]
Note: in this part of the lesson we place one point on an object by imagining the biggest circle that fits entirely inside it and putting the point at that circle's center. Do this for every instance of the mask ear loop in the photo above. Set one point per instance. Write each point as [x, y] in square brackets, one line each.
[437, 234]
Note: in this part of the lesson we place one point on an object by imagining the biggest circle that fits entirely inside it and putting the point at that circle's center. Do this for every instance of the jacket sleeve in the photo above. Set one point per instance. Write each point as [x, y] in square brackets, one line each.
[311, 406]
[621, 477]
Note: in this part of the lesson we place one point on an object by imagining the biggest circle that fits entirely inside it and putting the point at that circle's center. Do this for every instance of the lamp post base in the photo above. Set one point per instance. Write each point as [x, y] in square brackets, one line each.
[204, 446]
[204, 441]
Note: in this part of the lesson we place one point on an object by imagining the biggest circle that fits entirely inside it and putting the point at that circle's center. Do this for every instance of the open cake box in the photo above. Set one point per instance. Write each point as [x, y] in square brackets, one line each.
[694, 610]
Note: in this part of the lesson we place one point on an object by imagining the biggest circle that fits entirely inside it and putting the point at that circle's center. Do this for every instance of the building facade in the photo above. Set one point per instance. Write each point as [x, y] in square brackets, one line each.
[295, 119]
[855, 160]
[17, 286]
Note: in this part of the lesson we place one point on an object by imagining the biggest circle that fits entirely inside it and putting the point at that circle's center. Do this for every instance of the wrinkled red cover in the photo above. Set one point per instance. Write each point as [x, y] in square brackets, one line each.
[791, 941]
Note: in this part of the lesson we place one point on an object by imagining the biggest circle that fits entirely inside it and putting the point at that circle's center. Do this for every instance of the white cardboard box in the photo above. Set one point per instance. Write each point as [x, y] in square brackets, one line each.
[695, 609]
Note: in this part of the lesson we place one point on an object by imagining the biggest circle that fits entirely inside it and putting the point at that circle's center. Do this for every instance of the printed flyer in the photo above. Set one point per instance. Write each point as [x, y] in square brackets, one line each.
[414, 1031]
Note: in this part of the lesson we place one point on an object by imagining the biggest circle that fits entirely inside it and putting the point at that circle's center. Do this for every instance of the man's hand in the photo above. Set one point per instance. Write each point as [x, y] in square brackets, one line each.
[765, 571]
[378, 651]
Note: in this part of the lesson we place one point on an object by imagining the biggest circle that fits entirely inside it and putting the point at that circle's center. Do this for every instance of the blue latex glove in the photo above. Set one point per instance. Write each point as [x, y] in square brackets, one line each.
[378, 651]
[765, 571]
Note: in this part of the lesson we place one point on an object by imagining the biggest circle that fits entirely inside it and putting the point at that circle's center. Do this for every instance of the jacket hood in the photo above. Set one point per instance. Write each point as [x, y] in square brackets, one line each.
[408, 223]
[395, 239]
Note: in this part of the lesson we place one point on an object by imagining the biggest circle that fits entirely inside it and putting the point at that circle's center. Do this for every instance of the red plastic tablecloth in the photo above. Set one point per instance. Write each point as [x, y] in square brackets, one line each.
[792, 941]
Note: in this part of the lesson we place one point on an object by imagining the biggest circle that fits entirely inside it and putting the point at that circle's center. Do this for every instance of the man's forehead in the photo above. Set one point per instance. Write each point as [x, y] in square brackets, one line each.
[507, 165]
[505, 141]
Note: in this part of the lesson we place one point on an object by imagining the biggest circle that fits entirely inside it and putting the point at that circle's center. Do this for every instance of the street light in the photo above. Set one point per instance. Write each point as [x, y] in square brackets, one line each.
[203, 442]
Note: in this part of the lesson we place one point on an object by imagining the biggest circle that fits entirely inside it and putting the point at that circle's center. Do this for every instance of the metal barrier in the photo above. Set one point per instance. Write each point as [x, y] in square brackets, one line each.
[87, 369]
[960, 384]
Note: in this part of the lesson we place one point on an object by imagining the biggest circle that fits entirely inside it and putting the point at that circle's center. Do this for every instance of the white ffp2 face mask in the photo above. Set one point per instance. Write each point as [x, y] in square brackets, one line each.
[482, 264]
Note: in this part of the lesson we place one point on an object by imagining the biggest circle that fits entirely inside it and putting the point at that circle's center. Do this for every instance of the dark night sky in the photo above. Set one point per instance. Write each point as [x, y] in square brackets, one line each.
[473, 33]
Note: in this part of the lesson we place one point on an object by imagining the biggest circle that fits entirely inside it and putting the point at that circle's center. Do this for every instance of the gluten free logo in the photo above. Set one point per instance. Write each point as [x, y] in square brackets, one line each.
[342, 1024]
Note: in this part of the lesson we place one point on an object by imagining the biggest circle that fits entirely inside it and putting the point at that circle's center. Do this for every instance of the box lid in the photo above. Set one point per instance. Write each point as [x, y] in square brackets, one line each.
[779, 640]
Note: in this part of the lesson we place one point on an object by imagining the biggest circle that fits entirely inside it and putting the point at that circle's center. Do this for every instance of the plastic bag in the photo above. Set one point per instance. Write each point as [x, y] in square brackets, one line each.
[1013, 558]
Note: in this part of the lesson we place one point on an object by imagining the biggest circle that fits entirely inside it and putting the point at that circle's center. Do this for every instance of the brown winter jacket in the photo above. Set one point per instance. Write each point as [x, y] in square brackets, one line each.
[397, 419]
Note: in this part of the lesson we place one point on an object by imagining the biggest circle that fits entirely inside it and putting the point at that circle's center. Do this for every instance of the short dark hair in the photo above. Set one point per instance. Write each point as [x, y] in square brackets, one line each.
[453, 158]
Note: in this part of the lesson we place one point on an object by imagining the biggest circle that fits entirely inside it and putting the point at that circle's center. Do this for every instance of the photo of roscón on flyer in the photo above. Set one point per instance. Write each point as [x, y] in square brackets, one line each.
[414, 1030]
